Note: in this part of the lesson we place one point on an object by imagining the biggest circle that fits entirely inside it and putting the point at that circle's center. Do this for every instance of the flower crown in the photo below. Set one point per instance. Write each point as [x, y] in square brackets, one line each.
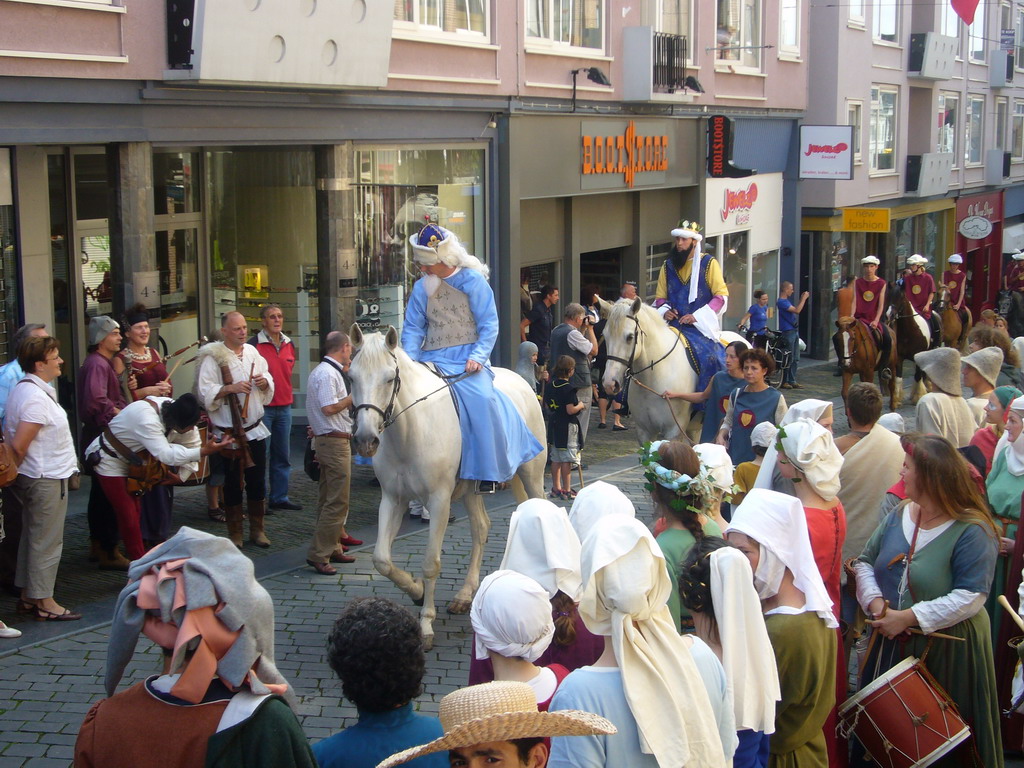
[693, 226]
[683, 486]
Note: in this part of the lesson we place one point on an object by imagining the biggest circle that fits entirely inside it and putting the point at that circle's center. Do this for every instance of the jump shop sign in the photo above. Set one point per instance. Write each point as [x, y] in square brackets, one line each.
[753, 203]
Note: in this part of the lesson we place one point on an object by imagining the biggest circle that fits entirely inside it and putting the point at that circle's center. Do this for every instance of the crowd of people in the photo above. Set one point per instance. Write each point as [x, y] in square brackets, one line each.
[785, 568]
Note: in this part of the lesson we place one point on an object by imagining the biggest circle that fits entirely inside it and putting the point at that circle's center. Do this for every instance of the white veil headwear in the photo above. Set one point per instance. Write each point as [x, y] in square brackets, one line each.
[542, 544]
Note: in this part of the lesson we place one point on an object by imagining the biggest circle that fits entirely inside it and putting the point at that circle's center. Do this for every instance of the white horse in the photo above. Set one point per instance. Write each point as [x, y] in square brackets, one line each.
[638, 339]
[406, 420]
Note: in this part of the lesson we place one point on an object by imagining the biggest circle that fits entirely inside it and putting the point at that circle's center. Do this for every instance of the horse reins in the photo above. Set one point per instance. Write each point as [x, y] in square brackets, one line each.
[387, 413]
[630, 375]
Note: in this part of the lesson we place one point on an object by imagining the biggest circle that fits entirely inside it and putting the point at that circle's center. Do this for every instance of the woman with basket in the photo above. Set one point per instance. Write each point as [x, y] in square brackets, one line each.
[927, 569]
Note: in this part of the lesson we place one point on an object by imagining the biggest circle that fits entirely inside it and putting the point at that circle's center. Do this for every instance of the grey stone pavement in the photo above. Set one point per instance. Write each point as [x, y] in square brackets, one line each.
[51, 676]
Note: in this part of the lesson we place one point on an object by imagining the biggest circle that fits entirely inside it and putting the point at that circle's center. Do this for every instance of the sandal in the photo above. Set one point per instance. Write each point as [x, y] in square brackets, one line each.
[569, 495]
[217, 515]
[44, 615]
[556, 493]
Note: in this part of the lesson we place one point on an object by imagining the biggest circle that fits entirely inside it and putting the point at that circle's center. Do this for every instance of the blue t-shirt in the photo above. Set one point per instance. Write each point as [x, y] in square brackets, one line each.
[758, 318]
[788, 321]
[377, 736]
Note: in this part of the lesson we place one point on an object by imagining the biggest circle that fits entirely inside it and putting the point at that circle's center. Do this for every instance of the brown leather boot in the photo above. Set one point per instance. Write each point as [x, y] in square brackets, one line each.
[236, 528]
[257, 511]
[112, 560]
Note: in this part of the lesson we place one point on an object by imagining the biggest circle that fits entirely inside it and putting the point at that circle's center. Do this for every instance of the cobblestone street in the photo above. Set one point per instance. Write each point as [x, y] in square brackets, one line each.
[50, 677]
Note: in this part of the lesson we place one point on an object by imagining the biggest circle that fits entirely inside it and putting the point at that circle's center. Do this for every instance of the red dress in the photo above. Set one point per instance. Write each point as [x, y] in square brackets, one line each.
[826, 529]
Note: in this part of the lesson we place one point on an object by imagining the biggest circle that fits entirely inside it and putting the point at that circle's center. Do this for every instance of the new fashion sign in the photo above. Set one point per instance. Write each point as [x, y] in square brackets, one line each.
[826, 152]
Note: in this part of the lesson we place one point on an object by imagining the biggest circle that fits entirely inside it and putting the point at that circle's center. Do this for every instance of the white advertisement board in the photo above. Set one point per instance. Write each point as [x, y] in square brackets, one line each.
[751, 204]
[826, 152]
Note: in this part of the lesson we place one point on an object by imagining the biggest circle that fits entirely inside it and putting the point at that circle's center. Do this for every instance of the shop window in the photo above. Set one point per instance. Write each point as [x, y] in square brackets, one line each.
[975, 130]
[764, 274]
[948, 120]
[8, 259]
[452, 16]
[739, 32]
[92, 191]
[903, 233]
[398, 191]
[885, 19]
[176, 183]
[789, 27]
[736, 271]
[882, 131]
[1018, 130]
[976, 38]
[855, 117]
[576, 23]
[656, 255]
[1002, 110]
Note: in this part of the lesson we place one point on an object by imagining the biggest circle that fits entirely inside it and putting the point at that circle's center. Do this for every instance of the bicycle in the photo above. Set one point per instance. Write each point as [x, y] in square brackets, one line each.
[780, 352]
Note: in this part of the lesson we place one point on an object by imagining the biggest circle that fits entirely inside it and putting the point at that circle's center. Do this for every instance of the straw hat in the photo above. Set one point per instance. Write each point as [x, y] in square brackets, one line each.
[987, 361]
[499, 711]
[943, 367]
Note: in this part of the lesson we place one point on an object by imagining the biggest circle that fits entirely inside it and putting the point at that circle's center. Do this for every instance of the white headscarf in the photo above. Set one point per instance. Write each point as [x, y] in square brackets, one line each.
[625, 598]
[1014, 450]
[543, 545]
[747, 655]
[813, 451]
[893, 422]
[511, 615]
[777, 523]
[715, 458]
[806, 409]
[593, 502]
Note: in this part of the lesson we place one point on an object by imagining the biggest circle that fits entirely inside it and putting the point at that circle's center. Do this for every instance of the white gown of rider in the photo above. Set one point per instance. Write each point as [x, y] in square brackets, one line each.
[495, 439]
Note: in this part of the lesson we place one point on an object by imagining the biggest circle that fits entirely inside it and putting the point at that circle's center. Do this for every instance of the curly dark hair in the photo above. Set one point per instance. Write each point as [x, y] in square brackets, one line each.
[376, 649]
[760, 357]
[695, 575]
[683, 459]
[986, 336]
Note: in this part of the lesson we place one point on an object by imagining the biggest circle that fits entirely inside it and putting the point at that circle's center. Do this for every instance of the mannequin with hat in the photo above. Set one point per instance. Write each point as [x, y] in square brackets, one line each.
[691, 300]
[869, 302]
[451, 321]
[920, 288]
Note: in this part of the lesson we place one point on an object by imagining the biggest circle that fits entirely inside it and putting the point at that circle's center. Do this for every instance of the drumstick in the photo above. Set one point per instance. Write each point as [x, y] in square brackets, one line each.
[940, 635]
[245, 403]
[1009, 609]
[180, 363]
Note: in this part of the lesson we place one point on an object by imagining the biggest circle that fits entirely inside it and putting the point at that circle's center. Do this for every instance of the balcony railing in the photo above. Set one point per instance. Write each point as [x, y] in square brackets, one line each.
[669, 62]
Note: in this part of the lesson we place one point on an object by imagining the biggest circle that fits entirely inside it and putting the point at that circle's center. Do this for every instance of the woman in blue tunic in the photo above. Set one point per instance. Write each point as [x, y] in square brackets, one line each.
[722, 385]
[929, 565]
[451, 321]
[749, 406]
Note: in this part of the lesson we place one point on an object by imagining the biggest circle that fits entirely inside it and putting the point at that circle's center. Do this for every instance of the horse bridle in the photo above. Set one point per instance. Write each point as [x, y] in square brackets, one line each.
[387, 413]
[629, 373]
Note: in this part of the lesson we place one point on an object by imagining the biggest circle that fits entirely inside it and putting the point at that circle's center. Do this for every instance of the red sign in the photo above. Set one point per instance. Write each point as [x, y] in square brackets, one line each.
[740, 200]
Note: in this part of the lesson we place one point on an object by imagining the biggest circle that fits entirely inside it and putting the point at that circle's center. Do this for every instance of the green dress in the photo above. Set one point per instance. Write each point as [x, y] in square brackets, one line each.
[805, 653]
[961, 557]
[1004, 496]
[676, 544]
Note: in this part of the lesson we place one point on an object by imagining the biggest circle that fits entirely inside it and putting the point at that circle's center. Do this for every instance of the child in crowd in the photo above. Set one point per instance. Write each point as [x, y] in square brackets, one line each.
[746, 473]
[562, 406]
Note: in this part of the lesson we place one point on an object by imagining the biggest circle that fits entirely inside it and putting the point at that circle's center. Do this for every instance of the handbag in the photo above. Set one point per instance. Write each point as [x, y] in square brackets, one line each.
[8, 464]
[309, 462]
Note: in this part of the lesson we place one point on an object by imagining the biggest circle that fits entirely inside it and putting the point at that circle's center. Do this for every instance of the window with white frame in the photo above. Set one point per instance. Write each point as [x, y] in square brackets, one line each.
[948, 120]
[674, 17]
[1018, 131]
[575, 23]
[455, 16]
[1002, 111]
[976, 43]
[973, 140]
[1019, 40]
[856, 11]
[789, 27]
[885, 20]
[855, 117]
[882, 130]
[739, 32]
[950, 25]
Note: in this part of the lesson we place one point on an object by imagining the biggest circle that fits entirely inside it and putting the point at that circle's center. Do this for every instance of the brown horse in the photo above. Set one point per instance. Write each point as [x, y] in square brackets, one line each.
[954, 330]
[912, 336]
[859, 355]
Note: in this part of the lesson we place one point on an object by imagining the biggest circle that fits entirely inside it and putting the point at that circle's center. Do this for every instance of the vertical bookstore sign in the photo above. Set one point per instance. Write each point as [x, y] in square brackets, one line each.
[619, 154]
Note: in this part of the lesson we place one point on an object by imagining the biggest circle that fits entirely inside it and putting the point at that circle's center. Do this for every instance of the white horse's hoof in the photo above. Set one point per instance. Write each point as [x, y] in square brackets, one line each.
[459, 607]
[428, 642]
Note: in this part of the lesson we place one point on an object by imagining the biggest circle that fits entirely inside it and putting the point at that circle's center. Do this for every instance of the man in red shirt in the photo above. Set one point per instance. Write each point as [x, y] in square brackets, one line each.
[279, 352]
[1014, 278]
[869, 302]
[956, 280]
[920, 289]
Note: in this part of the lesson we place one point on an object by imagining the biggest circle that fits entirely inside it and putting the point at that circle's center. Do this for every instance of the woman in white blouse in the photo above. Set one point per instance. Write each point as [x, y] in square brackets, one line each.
[37, 428]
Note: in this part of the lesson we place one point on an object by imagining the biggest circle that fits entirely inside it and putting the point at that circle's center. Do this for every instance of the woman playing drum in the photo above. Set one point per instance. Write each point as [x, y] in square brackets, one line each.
[929, 565]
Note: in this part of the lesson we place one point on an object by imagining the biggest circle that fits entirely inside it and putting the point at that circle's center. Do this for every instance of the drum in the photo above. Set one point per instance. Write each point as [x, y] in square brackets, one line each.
[203, 473]
[902, 719]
